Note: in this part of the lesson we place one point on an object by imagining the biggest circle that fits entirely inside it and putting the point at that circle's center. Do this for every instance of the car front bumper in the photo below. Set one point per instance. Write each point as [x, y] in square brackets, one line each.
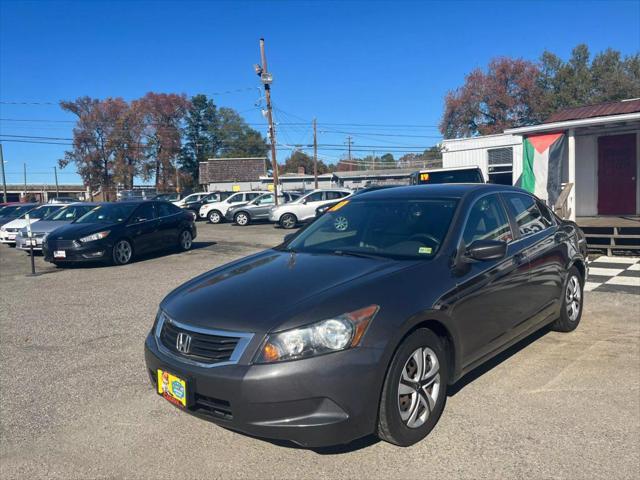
[321, 401]
[22, 243]
[8, 237]
[96, 251]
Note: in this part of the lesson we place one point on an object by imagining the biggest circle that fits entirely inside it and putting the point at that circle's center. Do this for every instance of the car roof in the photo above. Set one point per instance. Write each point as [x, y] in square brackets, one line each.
[450, 190]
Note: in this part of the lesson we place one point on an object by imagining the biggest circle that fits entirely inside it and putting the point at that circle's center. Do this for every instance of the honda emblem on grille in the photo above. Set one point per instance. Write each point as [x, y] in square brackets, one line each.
[183, 342]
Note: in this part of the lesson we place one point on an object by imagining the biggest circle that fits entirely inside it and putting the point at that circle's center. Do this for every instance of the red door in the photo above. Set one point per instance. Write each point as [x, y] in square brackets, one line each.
[617, 174]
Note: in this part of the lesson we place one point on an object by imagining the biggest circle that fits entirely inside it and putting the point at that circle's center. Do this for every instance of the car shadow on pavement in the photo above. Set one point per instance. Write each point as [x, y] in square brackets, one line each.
[353, 446]
[495, 361]
[137, 258]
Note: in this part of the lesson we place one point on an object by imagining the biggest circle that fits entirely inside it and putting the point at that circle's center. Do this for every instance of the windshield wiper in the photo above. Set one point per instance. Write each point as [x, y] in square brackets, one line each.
[352, 253]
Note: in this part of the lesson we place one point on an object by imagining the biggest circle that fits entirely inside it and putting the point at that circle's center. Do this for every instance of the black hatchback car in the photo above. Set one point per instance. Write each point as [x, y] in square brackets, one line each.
[359, 323]
[116, 232]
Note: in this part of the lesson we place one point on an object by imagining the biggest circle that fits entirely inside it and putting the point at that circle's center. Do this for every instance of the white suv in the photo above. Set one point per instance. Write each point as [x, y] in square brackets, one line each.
[304, 209]
[216, 211]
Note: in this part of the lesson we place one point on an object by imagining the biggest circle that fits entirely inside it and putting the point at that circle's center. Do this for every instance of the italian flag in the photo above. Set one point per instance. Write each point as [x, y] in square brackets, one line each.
[542, 165]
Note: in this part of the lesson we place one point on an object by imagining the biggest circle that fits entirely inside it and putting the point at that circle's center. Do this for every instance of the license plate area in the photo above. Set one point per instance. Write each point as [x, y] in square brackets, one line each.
[59, 254]
[172, 388]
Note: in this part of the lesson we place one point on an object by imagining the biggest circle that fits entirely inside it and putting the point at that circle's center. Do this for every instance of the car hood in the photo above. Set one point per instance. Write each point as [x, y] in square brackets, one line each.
[73, 231]
[262, 292]
[19, 223]
[47, 226]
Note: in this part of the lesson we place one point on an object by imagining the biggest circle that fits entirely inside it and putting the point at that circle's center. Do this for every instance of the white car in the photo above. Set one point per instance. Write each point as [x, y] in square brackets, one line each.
[216, 211]
[9, 231]
[194, 197]
[304, 209]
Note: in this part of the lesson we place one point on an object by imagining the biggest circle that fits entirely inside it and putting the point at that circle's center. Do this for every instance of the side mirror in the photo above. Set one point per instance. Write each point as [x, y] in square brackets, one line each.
[304, 201]
[486, 250]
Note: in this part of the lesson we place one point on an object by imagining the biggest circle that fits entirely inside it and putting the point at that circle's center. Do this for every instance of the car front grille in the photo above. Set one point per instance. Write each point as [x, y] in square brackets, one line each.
[25, 234]
[203, 348]
[63, 244]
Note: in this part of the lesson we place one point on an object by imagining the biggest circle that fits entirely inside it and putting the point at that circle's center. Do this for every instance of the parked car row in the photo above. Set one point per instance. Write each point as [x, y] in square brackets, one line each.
[112, 233]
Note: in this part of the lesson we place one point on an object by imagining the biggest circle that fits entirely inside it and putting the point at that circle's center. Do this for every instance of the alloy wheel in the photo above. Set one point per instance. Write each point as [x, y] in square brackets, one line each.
[214, 217]
[242, 219]
[573, 296]
[419, 387]
[186, 240]
[288, 221]
[122, 252]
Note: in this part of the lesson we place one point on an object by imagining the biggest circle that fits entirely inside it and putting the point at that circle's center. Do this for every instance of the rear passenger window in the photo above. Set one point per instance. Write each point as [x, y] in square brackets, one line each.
[251, 196]
[526, 212]
[335, 195]
[166, 209]
[315, 197]
[487, 221]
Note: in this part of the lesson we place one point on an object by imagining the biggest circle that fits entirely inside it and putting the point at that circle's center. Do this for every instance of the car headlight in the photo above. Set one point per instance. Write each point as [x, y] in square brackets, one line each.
[331, 335]
[94, 236]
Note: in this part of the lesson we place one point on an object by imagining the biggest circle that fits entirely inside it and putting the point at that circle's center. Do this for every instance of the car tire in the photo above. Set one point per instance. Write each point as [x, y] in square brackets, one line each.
[122, 252]
[288, 221]
[572, 302]
[413, 397]
[214, 216]
[242, 219]
[185, 241]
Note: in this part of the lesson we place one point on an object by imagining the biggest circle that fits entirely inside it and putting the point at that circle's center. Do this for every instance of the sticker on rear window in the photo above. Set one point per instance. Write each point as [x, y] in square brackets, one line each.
[425, 250]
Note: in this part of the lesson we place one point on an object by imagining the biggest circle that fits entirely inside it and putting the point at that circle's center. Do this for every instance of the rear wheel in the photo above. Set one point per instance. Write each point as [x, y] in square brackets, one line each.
[571, 311]
[242, 219]
[122, 252]
[288, 221]
[214, 216]
[186, 240]
[415, 389]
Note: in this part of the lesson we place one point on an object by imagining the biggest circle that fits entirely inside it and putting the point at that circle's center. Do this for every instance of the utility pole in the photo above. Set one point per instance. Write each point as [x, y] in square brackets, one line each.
[349, 142]
[24, 170]
[4, 180]
[266, 79]
[55, 173]
[315, 152]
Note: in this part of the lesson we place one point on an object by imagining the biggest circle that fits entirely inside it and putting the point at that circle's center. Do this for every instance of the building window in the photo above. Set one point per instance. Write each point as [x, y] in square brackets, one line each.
[500, 156]
[500, 165]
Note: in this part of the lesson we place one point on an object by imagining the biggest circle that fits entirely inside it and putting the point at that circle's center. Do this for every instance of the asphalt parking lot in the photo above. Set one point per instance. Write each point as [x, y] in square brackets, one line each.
[75, 400]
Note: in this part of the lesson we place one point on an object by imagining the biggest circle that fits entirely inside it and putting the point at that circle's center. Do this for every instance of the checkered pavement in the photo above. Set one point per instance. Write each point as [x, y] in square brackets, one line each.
[614, 274]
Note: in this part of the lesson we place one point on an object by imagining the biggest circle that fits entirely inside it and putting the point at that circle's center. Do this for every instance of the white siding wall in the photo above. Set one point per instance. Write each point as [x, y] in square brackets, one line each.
[467, 152]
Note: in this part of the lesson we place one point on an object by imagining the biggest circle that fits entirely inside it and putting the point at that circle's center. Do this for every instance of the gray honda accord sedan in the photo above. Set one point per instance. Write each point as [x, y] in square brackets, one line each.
[358, 324]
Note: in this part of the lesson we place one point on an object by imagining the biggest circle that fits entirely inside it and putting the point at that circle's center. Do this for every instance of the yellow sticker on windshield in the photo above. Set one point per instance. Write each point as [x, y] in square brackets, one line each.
[426, 250]
[424, 177]
[338, 206]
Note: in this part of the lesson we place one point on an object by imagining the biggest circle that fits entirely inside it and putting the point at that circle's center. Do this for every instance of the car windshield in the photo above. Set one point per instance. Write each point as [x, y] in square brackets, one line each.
[43, 211]
[108, 213]
[14, 211]
[402, 229]
[69, 213]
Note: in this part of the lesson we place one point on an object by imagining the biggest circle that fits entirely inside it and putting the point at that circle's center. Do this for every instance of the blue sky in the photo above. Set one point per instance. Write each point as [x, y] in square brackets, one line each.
[362, 62]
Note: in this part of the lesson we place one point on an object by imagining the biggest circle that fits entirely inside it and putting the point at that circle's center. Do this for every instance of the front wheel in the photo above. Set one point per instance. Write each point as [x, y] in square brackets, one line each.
[288, 221]
[214, 216]
[415, 389]
[242, 219]
[186, 240]
[571, 310]
[122, 252]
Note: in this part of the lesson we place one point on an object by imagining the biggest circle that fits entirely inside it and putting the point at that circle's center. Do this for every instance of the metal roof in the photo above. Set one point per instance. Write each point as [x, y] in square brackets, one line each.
[600, 110]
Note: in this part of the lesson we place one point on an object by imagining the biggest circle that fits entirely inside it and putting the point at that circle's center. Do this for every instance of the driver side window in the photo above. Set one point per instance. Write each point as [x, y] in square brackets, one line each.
[487, 221]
